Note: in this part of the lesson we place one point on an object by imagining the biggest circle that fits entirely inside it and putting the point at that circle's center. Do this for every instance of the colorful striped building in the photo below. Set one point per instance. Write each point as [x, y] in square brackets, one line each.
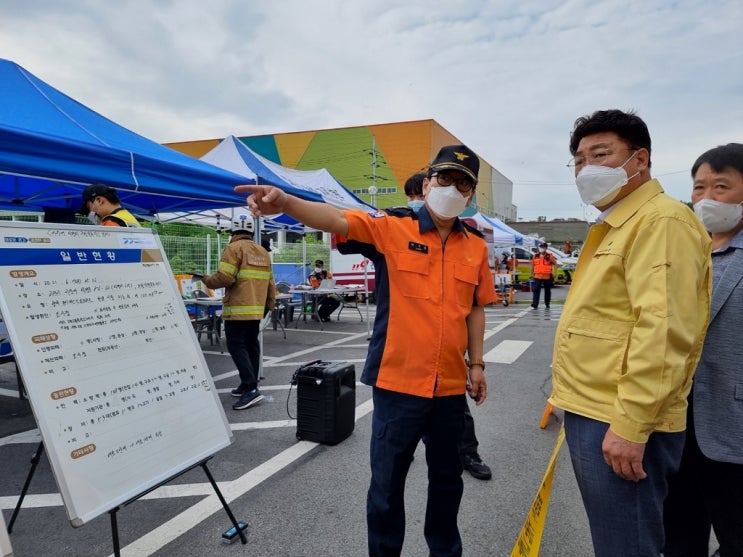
[373, 161]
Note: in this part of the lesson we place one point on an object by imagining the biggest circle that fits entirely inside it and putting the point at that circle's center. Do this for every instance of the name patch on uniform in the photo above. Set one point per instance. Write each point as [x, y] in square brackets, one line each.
[415, 246]
[377, 214]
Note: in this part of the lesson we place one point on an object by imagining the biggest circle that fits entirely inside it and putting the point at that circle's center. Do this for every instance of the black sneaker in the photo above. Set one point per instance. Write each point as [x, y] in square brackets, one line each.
[248, 399]
[474, 465]
[240, 391]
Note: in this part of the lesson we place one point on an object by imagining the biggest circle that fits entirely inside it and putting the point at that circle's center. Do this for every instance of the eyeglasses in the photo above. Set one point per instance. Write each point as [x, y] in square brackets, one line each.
[463, 185]
[597, 158]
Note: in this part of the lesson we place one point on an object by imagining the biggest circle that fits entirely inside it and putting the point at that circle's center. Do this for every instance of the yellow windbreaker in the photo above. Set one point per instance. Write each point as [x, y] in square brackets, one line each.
[633, 324]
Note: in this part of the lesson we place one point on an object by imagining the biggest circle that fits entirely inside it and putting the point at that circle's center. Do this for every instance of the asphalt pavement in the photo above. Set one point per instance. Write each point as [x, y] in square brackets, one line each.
[306, 499]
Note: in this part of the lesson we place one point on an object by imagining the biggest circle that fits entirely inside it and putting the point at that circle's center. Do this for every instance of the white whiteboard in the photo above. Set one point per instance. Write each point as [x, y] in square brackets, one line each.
[116, 378]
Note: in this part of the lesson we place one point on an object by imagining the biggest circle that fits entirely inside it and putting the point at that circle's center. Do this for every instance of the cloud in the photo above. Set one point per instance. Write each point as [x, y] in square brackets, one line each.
[507, 78]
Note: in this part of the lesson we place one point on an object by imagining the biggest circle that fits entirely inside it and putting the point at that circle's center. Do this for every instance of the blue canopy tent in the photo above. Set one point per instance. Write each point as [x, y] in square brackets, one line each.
[52, 147]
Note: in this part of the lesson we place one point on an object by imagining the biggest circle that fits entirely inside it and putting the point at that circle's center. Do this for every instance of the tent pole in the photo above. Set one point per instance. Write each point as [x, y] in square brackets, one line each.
[366, 288]
[304, 256]
[257, 237]
[208, 254]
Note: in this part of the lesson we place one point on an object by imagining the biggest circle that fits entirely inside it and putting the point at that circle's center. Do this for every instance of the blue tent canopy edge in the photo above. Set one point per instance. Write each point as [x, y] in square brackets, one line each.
[52, 147]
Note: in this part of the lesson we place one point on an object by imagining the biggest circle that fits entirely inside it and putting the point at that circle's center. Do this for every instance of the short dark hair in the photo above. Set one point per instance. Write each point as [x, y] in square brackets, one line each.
[627, 125]
[721, 157]
[98, 190]
[414, 184]
[319, 262]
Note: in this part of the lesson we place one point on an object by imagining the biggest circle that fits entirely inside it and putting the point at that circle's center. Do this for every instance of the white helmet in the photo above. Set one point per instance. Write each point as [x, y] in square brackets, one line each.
[242, 223]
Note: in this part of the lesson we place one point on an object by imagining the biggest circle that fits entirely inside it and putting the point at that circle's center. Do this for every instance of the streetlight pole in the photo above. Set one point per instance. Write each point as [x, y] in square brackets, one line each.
[373, 188]
[373, 193]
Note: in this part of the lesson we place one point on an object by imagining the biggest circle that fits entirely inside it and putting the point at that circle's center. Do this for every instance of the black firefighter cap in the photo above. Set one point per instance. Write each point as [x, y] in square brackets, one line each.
[457, 157]
[91, 192]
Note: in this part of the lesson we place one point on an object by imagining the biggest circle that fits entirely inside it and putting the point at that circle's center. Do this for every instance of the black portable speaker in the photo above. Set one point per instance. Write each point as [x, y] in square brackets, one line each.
[326, 401]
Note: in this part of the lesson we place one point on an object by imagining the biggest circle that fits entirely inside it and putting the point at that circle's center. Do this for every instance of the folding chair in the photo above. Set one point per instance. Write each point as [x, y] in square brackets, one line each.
[286, 306]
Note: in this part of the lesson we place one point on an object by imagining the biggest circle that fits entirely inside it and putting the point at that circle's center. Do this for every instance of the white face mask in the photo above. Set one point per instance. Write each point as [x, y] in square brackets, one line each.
[717, 216]
[542, 250]
[318, 269]
[446, 202]
[599, 185]
[94, 218]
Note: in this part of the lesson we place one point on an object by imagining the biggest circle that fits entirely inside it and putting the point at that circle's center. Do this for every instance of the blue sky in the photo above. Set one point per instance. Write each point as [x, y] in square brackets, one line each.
[508, 78]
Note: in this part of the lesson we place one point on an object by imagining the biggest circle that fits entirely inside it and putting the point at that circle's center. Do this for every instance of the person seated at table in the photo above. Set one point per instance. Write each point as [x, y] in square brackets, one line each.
[327, 304]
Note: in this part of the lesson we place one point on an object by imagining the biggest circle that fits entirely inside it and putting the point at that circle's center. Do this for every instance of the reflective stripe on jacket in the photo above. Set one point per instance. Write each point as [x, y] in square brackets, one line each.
[245, 272]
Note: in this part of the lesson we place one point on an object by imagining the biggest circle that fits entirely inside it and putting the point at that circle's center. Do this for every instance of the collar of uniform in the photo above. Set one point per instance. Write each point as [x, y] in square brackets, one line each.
[736, 242]
[238, 237]
[628, 206]
[425, 222]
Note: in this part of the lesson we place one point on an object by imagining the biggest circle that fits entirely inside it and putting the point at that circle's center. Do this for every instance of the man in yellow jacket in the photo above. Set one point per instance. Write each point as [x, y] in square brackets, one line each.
[630, 335]
[245, 273]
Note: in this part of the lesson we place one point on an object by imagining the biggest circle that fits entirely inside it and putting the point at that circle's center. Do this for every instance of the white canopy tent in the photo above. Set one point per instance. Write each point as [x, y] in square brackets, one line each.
[233, 155]
[504, 235]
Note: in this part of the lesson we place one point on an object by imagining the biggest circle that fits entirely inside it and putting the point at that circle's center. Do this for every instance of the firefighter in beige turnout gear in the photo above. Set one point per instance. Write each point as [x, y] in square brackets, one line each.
[250, 292]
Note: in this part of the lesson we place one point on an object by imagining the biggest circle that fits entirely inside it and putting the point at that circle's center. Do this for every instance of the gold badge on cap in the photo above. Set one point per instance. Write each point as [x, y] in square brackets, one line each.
[460, 156]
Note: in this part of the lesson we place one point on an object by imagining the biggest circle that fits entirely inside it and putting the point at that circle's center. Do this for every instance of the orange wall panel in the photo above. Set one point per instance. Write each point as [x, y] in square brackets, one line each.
[196, 149]
[405, 146]
[292, 146]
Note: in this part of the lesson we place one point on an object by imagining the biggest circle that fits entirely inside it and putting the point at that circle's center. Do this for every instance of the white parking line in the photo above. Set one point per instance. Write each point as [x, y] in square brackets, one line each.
[185, 521]
[507, 352]
[297, 364]
[188, 519]
[231, 490]
[30, 436]
[244, 426]
[330, 344]
[191, 517]
[490, 332]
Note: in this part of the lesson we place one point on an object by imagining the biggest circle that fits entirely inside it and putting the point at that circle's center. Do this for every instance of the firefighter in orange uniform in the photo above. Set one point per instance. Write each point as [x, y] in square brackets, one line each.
[433, 281]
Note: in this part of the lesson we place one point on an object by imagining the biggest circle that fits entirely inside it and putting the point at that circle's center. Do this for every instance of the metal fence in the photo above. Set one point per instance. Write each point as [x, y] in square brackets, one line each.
[192, 248]
[189, 255]
[292, 262]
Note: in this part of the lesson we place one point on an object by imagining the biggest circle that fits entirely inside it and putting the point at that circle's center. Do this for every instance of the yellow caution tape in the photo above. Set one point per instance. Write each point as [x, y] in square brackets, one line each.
[530, 537]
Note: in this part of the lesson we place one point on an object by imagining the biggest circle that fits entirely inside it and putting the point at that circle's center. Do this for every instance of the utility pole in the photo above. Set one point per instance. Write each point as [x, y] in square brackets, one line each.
[373, 188]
